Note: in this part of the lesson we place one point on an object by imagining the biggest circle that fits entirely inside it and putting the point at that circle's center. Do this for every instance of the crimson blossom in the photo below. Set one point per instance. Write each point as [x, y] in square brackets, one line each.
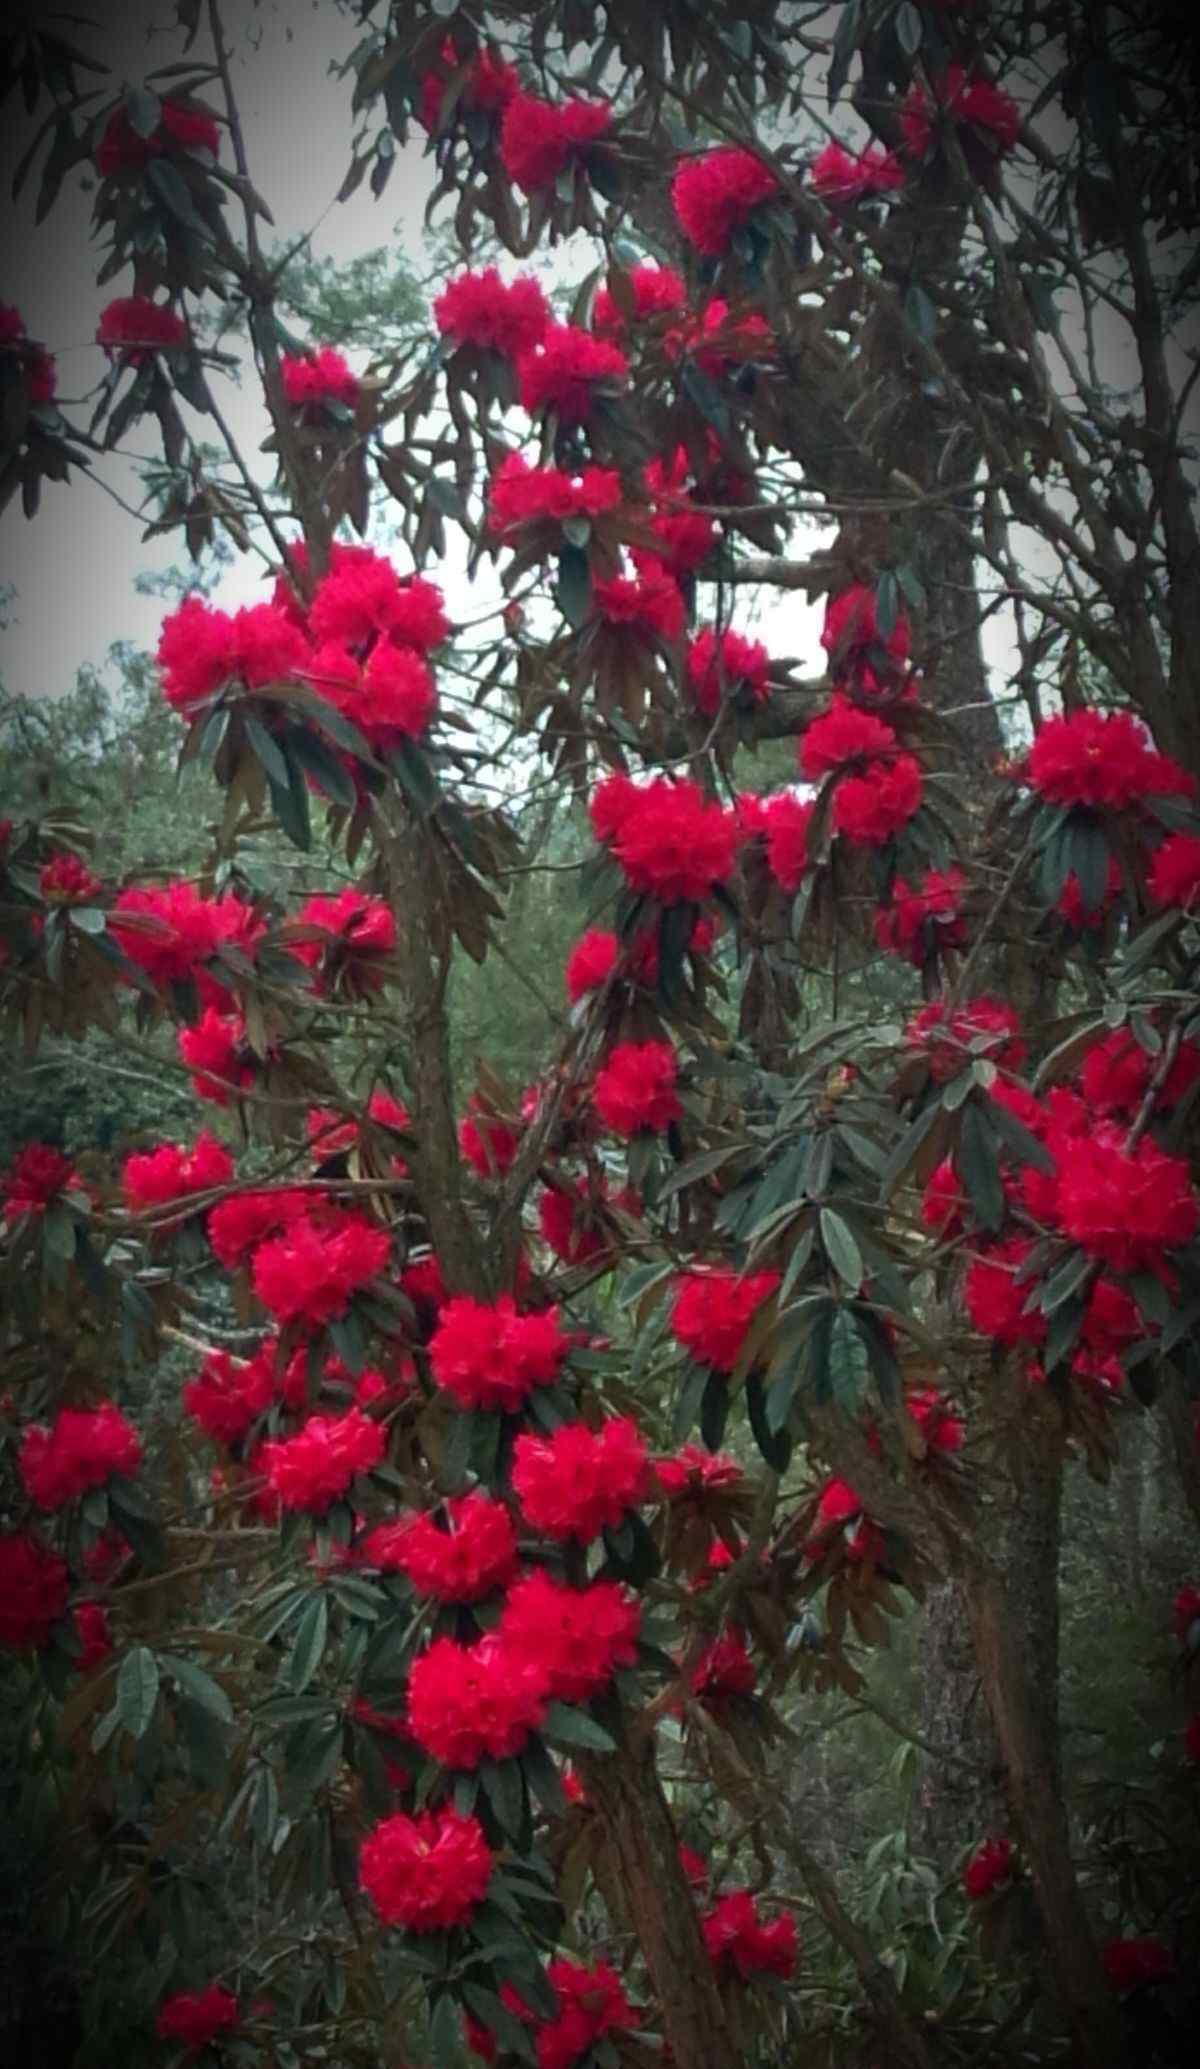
[839, 176]
[713, 1310]
[81, 1449]
[34, 1584]
[952, 1036]
[427, 1873]
[539, 139]
[38, 1175]
[968, 101]
[692, 1472]
[989, 1868]
[653, 291]
[472, 1555]
[927, 913]
[486, 90]
[357, 929]
[716, 196]
[734, 1933]
[853, 640]
[238, 1225]
[469, 1702]
[1102, 759]
[134, 328]
[202, 650]
[649, 604]
[578, 1481]
[1131, 1964]
[591, 2003]
[311, 379]
[726, 665]
[197, 2017]
[315, 1467]
[218, 1055]
[362, 599]
[67, 880]
[998, 1299]
[487, 1355]
[521, 494]
[171, 930]
[492, 314]
[94, 1635]
[157, 1177]
[312, 1271]
[567, 371]
[671, 841]
[871, 808]
[228, 1394]
[573, 1638]
[1174, 877]
[724, 1669]
[634, 1092]
[181, 127]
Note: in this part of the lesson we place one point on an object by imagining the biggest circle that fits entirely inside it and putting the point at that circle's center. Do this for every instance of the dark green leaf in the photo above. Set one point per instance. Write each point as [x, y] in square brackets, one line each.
[200, 1686]
[841, 1249]
[693, 1382]
[573, 588]
[567, 1726]
[980, 1165]
[847, 1362]
[137, 1690]
[714, 1409]
[773, 1441]
[309, 1645]
[910, 28]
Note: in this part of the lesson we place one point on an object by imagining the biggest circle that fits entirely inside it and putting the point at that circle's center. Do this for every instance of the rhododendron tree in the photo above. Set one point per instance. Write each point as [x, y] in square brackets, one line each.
[428, 1505]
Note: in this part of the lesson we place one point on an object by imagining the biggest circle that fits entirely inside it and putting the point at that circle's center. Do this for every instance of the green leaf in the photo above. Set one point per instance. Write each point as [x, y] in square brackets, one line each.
[980, 1165]
[200, 1686]
[773, 1440]
[847, 1362]
[172, 190]
[504, 1786]
[325, 768]
[841, 1249]
[567, 1726]
[910, 28]
[1065, 1281]
[573, 588]
[447, 2046]
[456, 1450]
[58, 1232]
[543, 1778]
[290, 804]
[887, 603]
[1087, 855]
[309, 1645]
[137, 1690]
[707, 397]
[845, 43]
[714, 1409]
[144, 110]
[919, 313]
[692, 1384]
[415, 774]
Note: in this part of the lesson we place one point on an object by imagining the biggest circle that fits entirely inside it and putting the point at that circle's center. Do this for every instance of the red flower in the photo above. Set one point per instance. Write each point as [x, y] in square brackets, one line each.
[539, 139]
[1174, 877]
[1125, 1206]
[734, 1933]
[713, 1311]
[181, 128]
[982, 1027]
[635, 1090]
[649, 603]
[359, 931]
[784, 820]
[466, 1702]
[851, 637]
[996, 1298]
[565, 370]
[311, 1272]
[694, 1866]
[521, 494]
[1071, 904]
[238, 1225]
[134, 328]
[839, 176]
[475, 1553]
[1098, 759]
[37, 366]
[315, 1467]
[218, 1055]
[33, 1591]
[1116, 1075]
[332, 1135]
[965, 100]
[175, 931]
[655, 291]
[1130, 1964]
[82, 1449]
[65, 880]
[37, 1176]
[591, 2003]
[693, 1472]
[720, 344]
[990, 1866]
[488, 87]
[157, 1177]
[579, 1481]
[724, 1669]
[228, 1395]
[493, 1357]
[716, 195]
[392, 698]
[313, 378]
[201, 650]
[1186, 1614]
[426, 1873]
[488, 1144]
[843, 736]
[574, 1638]
[929, 916]
[91, 1626]
[726, 666]
[874, 806]
[196, 2017]
[943, 1202]
[941, 1428]
[671, 841]
[591, 963]
[494, 315]
[363, 598]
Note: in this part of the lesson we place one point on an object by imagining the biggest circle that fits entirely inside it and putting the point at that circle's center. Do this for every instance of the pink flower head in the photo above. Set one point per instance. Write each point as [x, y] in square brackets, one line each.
[734, 1933]
[845, 735]
[134, 329]
[974, 103]
[491, 314]
[716, 196]
[539, 139]
[648, 604]
[574, 1639]
[655, 291]
[671, 841]
[840, 177]
[578, 1481]
[726, 665]
[311, 1272]
[311, 379]
[461, 1559]
[872, 807]
[568, 371]
[635, 1089]
[490, 1356]
[1105, 760]
[989, 1868]
[923, 916]
[197, 2017]
[1174, 877]
[713, 1310]
[951, 1038]
[467, 1702]
[37, 1176]
[426, 1873]
[315, 1467]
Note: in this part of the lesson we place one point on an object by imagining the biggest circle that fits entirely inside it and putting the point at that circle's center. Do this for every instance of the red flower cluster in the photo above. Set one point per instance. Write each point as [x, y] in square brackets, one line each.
[983, 1027]
[1126, 1207]
[181, 128]
[228, 1394]
[466, 1702]
[852, 639]
[1174, 877]
[726, 665]
[312, 1271]
[37, 365]
[964, 100]
[724, 1669]
[839, 176]
[713, 1311]
[521, 494]
[474, 1553]
[389, 697]
[95, 1637]
[488, 87]
[558, 1219]
[671, 841]
[493, 1357]
[66, 880]
[426, 1873]
[156, 1177]
[196, 2017]
[333, 1135]
[874, 806]
[1071, 905]
[843, 736]
[315, 1467]
[938, 1424]
[591, 962]
[34, 1584]
[635, 1089]
[82, 1449]
[996, 1297]
[840, 1512]
[692, 1471]
[170, 931]
[201, 650]
[591, 2003]
[783, 822]
[720, 344]
[37, 1176]
[716, 196]
[362, 598]
[134, 328]
[311, 379]
[567, 370]
[929, 915]
[1116, 1075]
[491, 314]
[735, 1933]
[1130, 1964]
[539, 139]
[1101, 759]
[579, 1481]
[238, 1225]
[654, 290]
[574, 1638]
[218, 1054]
[488, 1143]
[648, 604]
[990, 1866]
[359, 932]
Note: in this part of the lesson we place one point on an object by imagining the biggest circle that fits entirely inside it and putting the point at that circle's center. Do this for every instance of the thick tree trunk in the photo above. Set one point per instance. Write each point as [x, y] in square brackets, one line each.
[628, 1796]
[960, 1794]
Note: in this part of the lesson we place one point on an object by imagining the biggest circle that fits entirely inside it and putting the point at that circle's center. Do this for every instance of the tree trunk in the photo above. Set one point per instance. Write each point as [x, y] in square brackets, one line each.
[960, 1795]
